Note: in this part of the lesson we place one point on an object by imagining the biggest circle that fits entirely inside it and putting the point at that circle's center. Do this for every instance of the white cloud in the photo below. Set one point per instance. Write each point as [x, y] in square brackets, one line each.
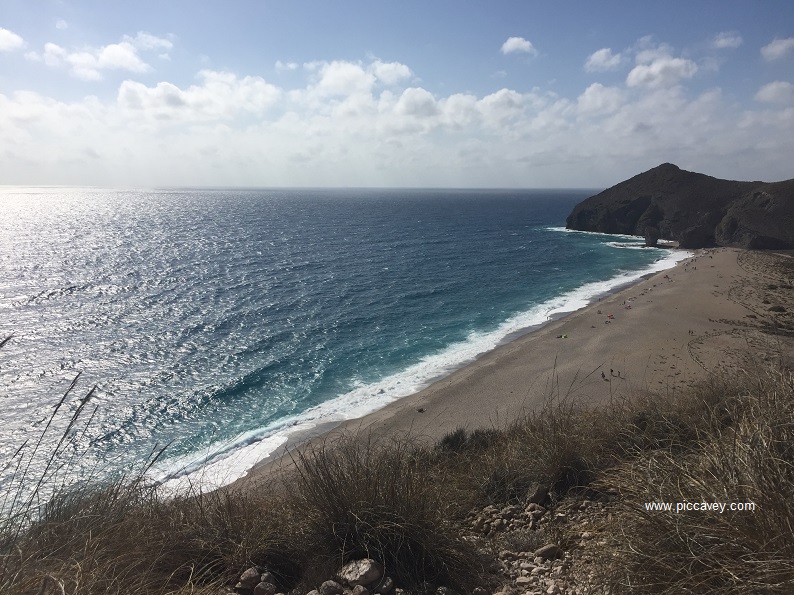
[354, 128]
[88, 64]
[727, 40]
[660, 71]
[417, 102]
[776, 92]
[777, 49]
[282, 66]
[502, 108]
[598, 100]
[340, 78]
[647, 52]
[390, 73]
[603, 60]
[459, 110]
[10, 41]
[147, 41]
[518, 45]
[219, 96]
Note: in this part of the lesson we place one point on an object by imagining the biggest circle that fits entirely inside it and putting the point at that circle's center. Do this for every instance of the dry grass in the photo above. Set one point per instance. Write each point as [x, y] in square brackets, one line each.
[404, 503]
[744, 453]
[385, 500]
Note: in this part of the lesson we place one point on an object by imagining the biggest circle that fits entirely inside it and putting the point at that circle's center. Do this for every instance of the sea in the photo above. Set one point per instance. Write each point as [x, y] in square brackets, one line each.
[189, 333]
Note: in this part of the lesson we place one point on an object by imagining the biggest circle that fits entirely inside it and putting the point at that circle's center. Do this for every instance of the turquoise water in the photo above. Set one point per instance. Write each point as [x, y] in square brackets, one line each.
[217, 322]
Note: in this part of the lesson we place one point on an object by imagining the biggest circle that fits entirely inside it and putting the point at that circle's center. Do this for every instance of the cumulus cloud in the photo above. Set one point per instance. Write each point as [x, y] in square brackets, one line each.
[390, 73]
[658, 69]
[417, 102]
[727, 40]
[518, 45]
[219, 96]
[603, 60]
[89, 63]
[342, 78]
[10, 41]
[598, 100]
[777, 49]
[231, 129]
[776, 92]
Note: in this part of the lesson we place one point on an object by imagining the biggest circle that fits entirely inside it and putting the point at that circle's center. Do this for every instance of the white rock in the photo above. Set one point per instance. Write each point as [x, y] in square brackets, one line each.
[361, 572]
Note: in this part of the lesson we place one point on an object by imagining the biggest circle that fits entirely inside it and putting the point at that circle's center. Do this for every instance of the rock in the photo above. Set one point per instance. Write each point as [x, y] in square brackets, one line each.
[385, 585]
[330, 588]
[249, 579]
[549, 552]
[523, 581]
[265, 588]
[651, 236]
[538, 494]
[361, 572]
[313, 592]
[359, 590]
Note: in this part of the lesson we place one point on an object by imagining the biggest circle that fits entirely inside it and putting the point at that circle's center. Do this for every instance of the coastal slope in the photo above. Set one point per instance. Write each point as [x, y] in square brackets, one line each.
[662, 334]
[696, 210]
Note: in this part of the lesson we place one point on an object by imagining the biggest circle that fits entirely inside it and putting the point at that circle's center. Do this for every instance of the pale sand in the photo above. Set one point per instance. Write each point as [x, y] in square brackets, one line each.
[675, 326]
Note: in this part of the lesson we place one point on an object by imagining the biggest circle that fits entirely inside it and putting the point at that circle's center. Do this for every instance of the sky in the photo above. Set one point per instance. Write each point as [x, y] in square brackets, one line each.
[441, 93]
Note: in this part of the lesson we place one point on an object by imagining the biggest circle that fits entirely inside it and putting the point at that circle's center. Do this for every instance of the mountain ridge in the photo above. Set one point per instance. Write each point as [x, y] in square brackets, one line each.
[694, 209]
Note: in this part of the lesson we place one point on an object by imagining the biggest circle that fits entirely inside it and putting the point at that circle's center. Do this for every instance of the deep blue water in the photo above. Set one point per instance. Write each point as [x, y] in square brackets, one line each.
[215, 321]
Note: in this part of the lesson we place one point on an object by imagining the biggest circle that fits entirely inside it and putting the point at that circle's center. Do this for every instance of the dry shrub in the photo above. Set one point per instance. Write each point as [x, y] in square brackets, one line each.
[744, 454]
[128, 539]
[355, 497]
[560, 447]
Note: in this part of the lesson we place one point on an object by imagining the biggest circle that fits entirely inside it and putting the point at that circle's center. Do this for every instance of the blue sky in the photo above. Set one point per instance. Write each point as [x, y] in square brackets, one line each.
[441, 93]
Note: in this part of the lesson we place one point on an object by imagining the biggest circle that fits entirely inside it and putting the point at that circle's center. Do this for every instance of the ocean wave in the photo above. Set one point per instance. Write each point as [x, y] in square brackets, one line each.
[225, 462]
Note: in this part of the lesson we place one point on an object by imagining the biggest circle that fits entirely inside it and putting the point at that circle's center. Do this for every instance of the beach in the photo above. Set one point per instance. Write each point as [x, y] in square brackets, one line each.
[659, 335]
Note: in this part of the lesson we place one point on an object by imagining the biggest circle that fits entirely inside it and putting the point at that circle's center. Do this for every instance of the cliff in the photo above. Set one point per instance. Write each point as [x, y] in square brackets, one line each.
[693, 209]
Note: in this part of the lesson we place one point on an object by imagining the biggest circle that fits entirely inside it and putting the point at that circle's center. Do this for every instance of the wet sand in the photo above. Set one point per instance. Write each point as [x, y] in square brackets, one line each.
[657, 335]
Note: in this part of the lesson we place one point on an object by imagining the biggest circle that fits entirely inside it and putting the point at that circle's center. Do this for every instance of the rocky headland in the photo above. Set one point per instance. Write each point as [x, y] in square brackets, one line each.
[693, 209]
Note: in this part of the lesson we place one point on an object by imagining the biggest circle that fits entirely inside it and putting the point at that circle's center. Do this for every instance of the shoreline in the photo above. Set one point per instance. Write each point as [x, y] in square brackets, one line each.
[522, 373]
[241, 462]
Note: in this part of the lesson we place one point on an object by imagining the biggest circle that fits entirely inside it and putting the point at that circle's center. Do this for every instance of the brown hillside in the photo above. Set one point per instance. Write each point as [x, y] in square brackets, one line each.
[694, 209]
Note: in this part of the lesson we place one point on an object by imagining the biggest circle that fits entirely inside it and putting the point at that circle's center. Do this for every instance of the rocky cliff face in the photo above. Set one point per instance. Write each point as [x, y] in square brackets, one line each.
[694, 209]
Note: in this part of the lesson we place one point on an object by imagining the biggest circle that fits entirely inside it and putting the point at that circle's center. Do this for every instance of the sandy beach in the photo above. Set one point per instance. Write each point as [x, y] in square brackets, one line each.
[658, 335]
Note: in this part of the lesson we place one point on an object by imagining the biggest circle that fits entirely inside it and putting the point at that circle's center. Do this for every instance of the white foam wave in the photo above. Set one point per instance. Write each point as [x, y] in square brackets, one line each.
[627, 246]
[231, 460]
[597, 233]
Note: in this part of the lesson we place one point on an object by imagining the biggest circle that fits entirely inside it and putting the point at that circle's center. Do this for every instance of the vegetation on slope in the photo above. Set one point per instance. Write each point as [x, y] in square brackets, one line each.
[405, 504]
